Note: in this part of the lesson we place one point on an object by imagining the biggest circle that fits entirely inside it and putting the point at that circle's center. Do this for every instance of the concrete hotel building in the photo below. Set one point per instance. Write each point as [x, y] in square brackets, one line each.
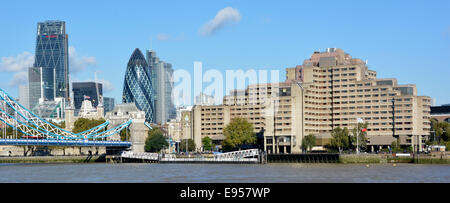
[331, 89]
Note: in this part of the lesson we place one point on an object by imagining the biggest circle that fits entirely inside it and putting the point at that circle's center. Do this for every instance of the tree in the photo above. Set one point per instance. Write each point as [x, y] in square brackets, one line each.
[155, 141]
[362, 136]
[340, 138]
[395, 147]
[441, 130]
[237, 133]
[207, 144]
[191, 145]
[83, 124]
[308, 142]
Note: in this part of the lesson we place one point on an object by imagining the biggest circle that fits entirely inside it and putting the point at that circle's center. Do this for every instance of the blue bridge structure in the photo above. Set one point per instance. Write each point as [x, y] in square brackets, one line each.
[36, 131]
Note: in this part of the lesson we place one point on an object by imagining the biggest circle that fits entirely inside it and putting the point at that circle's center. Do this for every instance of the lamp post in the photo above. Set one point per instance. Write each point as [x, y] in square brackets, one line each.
[393, 121]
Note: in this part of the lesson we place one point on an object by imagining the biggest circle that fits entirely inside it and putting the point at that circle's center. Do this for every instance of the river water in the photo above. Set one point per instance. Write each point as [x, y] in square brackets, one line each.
[222, 173]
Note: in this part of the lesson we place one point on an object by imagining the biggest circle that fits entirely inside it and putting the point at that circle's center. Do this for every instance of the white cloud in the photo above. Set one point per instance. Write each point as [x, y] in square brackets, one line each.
[107, 86]
[20, 78]
[166, 37]
[18, 63]
[78, 63]
[162, 37]
[223, 17]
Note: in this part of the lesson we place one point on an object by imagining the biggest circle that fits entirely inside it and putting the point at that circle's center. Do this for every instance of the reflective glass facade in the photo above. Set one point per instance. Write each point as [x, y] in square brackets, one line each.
[137, 86]
[89, 89]
[53, 56]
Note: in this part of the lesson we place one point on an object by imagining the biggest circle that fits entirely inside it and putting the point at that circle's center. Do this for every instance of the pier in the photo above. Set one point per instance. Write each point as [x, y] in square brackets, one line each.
[252, 156]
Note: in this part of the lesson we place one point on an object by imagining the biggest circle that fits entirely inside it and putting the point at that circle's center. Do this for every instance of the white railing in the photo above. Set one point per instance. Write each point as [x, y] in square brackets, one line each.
[140, 155]
[239, 154]
[203, 159]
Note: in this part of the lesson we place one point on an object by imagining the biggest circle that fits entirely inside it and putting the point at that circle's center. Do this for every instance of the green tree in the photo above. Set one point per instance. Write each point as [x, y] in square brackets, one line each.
[237, 133]
[83, 124]
[191, 145]
[155, 141]
[395, 147]
[10, 132]
[207, 144]
[440, 131]
[340, 138]
[125, 134]
[362, 136]
[308, 142]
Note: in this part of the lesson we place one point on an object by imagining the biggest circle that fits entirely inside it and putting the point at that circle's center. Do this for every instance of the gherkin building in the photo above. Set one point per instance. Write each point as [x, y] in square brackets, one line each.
[137, 86]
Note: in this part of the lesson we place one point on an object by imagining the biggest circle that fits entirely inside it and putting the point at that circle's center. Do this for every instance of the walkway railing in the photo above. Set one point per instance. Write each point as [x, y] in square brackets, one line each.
[239, 154]
[140, 155]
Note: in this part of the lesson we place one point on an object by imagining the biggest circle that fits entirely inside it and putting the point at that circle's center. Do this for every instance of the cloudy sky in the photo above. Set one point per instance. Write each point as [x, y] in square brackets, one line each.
[408, 40]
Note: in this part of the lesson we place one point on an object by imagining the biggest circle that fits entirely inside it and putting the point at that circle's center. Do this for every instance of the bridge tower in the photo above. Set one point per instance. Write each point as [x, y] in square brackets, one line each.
[138, 130]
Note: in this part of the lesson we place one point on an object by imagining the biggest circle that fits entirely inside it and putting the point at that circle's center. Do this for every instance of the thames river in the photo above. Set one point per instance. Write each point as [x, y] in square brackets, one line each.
[222, 173]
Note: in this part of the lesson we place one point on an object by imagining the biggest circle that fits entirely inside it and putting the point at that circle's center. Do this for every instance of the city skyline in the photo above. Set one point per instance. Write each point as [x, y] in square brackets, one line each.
[238, 35]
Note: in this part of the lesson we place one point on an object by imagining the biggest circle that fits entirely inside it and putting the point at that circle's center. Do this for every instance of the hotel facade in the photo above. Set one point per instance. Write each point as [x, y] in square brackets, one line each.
[331, 89]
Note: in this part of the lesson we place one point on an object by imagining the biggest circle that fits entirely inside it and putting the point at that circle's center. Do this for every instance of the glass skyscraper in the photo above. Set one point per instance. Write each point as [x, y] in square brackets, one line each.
[91, 91]
[162, 83]
[137, 86]
[52, 56]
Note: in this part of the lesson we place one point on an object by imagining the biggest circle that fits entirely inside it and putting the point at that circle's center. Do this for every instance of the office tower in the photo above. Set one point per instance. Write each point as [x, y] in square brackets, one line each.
[24, 96]
[108, 104]
[35, 86]
[137, 86]
[91, 91]
[53, 57]
[162, 82]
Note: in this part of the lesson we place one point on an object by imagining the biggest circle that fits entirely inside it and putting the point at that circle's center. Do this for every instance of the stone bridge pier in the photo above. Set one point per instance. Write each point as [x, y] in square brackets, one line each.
[138, 131]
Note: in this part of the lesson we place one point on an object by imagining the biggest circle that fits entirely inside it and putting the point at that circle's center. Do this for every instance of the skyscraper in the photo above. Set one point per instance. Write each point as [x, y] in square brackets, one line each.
[162, 81]
[108, 104]
[52, 56]
[137, 86]
[35, 86]
[24, 96]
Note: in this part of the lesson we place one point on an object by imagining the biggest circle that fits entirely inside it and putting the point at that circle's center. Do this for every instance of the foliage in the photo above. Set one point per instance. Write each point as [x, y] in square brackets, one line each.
[340, 138]
[308, 142]
[362, 136]
[441, 130]
[124, 134]
[237, 133]
[191, 145]
[10, 132]
[207, 144]
[83, 124]
[155, 141]
[395, 147]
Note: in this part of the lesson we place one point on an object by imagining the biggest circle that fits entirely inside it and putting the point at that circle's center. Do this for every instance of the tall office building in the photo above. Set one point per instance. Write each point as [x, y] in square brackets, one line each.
[162, 82]
[137, 86]
[52, 56]
[108, 104]
[24, 96]
[91, 91]
[35, 86]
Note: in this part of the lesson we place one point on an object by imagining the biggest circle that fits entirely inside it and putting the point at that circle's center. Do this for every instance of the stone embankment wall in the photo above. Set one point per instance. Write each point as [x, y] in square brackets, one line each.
[8, 151]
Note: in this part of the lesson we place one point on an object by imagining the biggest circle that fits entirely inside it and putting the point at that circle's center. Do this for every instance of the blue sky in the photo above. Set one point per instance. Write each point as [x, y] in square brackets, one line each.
[407, 40]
